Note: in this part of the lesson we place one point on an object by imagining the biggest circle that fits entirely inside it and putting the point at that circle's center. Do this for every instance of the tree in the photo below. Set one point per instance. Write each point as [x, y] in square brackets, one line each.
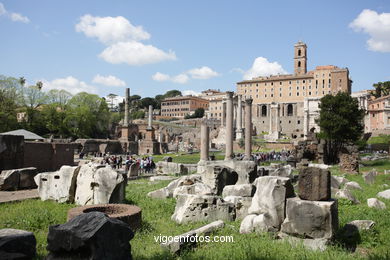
[146, 102]
[340, 121]
[58, 97]
[199, 113]
[8, 119]
[381, 89]
[172, 93]
[87, 115]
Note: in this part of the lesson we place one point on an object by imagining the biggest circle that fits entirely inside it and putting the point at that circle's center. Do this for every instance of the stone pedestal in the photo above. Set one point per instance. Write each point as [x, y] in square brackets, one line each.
[310, 219]
[314, 184]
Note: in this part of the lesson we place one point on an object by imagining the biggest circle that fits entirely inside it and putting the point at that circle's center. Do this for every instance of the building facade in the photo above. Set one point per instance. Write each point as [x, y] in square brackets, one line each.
[179, 106]
[379, 115]
[279, 101]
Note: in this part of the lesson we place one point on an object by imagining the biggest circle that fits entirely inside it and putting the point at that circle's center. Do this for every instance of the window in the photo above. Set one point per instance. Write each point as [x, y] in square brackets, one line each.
[299, 52]
[297, 93]
[299, 64]
[263, 110]
[280, 83]
[303, 81]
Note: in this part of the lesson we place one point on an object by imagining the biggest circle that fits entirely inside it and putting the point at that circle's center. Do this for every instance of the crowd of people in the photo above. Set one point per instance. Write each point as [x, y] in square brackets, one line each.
[268, 156]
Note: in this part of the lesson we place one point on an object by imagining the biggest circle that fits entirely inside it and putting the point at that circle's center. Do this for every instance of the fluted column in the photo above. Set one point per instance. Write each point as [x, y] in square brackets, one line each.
[248, 129]
[229, 126]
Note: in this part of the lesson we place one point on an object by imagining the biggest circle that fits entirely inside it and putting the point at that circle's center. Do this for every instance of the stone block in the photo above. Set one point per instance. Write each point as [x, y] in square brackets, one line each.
[90, 236]
[133, 170]
[17, 179]
[352, 185]
[310, 219]
[314, 184]
[346, 194]
[196, 188]
[370, 177]
[242, 190]
[217, 178]
[270, 198]
[241, 205]
[17, 244]
[58, 186]
[193, 208]
[97, 184]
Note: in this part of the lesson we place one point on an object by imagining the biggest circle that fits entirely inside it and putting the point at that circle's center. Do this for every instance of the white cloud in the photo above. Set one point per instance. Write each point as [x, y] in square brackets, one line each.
[2, 9]
[109, 81]
[181, 79]
[238, 70]
[262, 67]
[377, 26]
[70, 84]
[202, 73]
[135, 53]
[160, 77]
[110, 29]
[19, 18]
[16, 17]
[190, 92]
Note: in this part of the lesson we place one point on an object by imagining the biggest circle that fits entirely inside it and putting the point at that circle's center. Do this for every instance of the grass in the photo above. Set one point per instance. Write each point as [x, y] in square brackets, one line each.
[381, 139]
[36, 216]
[379, 165]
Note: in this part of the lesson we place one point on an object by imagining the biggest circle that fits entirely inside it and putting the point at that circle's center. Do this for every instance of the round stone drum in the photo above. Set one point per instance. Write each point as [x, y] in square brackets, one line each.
[129, 214]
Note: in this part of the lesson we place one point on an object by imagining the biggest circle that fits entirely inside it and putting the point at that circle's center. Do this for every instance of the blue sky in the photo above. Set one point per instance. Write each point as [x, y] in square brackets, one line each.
[155, 46]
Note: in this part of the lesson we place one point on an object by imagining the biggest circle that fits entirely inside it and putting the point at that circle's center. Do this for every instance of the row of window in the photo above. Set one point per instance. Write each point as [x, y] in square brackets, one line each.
[175, 109]
[290, 94]
[186, 102]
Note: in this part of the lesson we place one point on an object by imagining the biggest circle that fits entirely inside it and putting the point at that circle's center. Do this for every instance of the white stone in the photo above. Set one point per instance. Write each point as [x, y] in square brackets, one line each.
[193, 208]
[337, 181]
[384, 194]
[362, 224]
[162, 193]
[352, 185]
[319, 165]
[270, 198]
[96, 183]
[162, 178]
[241, 204]
[196, 188]
[57, 185]
[242, 190]
[247, 224]
[346, 194]
[375, 203]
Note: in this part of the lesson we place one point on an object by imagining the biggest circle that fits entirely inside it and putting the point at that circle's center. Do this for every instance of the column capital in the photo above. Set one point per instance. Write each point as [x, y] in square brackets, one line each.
[229, 94]
[248, 101]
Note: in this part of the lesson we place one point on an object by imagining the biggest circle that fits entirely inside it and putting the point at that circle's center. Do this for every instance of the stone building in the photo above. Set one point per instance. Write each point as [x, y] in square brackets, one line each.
[379, 115]
[363, 97]
[215, 98]
[180, 106]
[279, 104]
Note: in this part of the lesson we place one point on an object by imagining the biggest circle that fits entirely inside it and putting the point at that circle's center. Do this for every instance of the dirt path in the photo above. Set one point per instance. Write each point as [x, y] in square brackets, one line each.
[9, 196]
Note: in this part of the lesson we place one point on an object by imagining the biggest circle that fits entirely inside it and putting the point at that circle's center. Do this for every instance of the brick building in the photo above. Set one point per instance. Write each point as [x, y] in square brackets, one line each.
[180, 106]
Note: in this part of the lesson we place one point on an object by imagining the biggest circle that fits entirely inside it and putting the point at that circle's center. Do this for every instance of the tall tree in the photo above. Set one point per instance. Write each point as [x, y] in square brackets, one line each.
[340, 121]
[381, 89]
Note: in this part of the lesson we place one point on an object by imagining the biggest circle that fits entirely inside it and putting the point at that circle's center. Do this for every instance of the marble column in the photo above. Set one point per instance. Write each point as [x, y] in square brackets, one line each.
[239, 118]
[229, 126]
[150, 115]
[248, 129]
[223, 118]
[204, 141]
[127, 99]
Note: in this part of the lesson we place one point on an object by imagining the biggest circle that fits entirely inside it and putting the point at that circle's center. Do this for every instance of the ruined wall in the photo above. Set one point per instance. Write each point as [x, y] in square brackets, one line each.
[48, 156]
[100, 146]
[11, 152]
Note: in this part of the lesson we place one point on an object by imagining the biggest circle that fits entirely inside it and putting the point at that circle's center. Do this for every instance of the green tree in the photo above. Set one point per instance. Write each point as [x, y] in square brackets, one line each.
[8, 107]
[198, 113]
[172, 93]
[111, 98]
[145, 102]
[87, 115]
[340, 121]
[381, 89]
[58, 97]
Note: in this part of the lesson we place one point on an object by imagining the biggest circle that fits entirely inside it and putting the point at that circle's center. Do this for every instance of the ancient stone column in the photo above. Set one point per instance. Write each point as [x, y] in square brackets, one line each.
[229, 126]
[150, 117]
[204, 141]
[248, 129]
[127, 99]
[223, 118]
[239, 119]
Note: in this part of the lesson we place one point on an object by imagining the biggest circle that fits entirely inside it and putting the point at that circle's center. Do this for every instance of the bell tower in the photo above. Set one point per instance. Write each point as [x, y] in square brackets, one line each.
[300, 58]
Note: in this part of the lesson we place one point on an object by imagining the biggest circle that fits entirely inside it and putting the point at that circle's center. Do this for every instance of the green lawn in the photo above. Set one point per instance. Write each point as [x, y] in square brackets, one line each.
[381, 139]
[36, 216]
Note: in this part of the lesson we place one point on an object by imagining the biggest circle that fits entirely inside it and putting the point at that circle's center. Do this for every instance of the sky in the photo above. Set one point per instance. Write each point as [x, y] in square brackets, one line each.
[151, 47]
